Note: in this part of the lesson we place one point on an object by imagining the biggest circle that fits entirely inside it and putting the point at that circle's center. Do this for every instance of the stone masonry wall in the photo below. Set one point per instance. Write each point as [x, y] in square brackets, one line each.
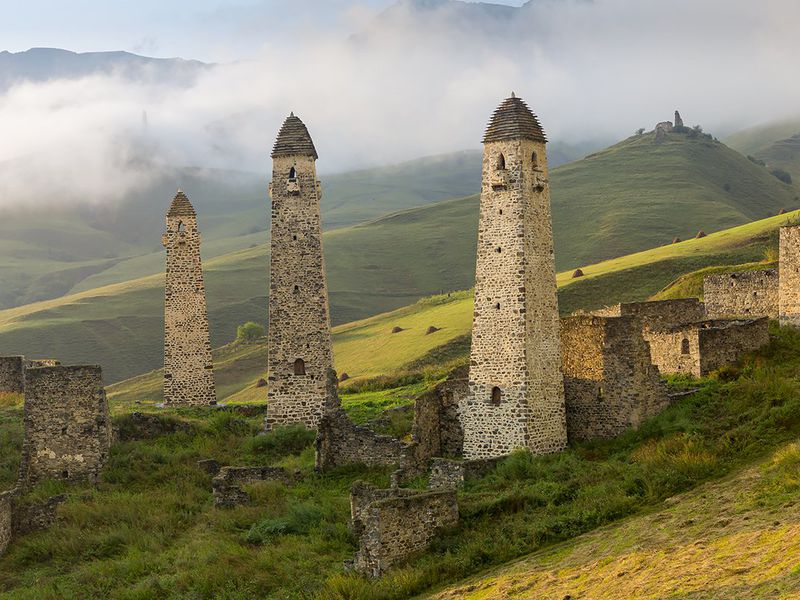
[449, 473]
[393, 525]
[299, 318]
[516, 396]
[67, 426]
[657, 313]
[699, 348]
[6, 519]
[12, 374]
[742, 295]
[437, 429]
[789, 276]
[610, 384]
[188, 367]
[228, 483]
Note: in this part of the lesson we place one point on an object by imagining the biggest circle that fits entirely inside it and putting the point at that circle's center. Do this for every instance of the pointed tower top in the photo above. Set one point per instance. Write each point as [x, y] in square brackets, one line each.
[513, 120]
[181, 207]
[293, 138]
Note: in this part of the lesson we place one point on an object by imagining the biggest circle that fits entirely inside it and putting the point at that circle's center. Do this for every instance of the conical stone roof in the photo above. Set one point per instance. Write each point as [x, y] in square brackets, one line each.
[181, 207]
[293, 138]
[513, 120]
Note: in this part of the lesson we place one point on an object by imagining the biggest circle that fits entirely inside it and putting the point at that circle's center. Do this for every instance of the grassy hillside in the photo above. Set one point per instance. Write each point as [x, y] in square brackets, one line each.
[638, 194]
[755, 139]
[150, 529]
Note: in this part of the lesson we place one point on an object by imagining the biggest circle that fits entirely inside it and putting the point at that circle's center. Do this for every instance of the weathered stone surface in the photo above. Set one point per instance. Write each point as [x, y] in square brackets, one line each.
[662, 129]
[678, 119]
[657, 313]
[67, 426]
[12, 374]
[300, 351]
[699, 348]
[393, 525]
[18, 519]
[146, 426]
[6, 519]
[228, 483]
[516, 396]
[789, 276]
[610, 383]
[188, 367]
[449, 473]
[437, 428]
[742, 295]
[209, 465]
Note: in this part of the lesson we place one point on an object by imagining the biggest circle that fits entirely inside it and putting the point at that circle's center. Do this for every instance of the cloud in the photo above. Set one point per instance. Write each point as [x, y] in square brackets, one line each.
[421, 78]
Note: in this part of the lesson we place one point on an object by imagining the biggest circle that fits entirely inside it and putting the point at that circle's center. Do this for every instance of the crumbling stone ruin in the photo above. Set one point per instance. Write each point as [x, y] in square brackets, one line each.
[300, 350]
[188, 367]
[450, 473]
[610, 384]
[742, 295]
[701, 347]
[789, 276]
[662, 129]
[657, 313]
[18, 518]
[12, 374]
[678, 119]
[437, 430]
[67, 425]
[516, 389]
[228, 484]
[393, 524]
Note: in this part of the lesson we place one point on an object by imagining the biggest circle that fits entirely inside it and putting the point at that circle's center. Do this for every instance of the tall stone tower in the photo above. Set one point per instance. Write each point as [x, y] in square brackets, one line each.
[516, 396]
[789, 276]
[300, 352]
[188, 368]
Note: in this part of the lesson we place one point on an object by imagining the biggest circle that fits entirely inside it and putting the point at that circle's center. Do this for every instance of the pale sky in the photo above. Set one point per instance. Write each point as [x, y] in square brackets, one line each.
[209, 30]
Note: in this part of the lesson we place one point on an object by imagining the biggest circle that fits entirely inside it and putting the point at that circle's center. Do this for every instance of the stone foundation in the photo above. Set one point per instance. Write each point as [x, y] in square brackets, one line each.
[67, 426]
[228, 483]
[742, 295]
[610, 384]
[393, 525]
[699, 348]
[449, 473]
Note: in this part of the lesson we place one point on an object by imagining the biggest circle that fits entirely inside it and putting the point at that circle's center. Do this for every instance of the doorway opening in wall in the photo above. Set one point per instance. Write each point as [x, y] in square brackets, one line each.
[299, 367]
[497, 395]
[685, 346]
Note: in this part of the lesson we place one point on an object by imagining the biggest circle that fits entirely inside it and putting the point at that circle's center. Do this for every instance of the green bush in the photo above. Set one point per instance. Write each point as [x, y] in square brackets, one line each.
[302, 518]
[249, 332]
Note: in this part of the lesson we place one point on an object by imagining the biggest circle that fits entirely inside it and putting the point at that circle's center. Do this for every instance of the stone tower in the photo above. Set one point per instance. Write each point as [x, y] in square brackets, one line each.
[516, 396]
[789, 276]
[300, 352]
[188, 368]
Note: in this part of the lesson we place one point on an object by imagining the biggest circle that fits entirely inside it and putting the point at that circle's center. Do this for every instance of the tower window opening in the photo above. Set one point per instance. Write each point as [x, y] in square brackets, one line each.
[501, 162]
[294, 237]
[498, 250]
[296, 289]
[534, 160]
[497, 395]
[299, 367]
[181, 226]
[497, 306]
[685, 346]
[501, 211]
[292, 173]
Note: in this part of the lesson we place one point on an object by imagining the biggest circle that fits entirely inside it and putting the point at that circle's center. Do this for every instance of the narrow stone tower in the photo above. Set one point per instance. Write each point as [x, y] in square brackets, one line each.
[188, 368]
[789, 276]
[300, 352]
[516, 396]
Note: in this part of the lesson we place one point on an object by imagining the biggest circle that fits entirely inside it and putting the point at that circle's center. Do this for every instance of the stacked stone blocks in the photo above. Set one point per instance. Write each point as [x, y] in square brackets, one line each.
[789, 276]
[742, 295]
[188, 366]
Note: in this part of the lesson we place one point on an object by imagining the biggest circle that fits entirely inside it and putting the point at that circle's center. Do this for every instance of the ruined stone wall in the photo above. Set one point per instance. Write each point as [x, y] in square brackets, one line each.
[657, 313]
[42, 362]
[610, 384]
[724, 343]
[188, 367]
[6, 519]
[67, 426]
[299, 318]
[742, 295]
[789, 276]
[437, 429]
[228, 484]
[711, 344]
[12, 374]
[393, 525]
[515, 334]
[449, 473]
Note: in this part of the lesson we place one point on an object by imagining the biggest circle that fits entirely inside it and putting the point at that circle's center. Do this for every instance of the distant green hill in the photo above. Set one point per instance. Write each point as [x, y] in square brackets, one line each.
[755, 139]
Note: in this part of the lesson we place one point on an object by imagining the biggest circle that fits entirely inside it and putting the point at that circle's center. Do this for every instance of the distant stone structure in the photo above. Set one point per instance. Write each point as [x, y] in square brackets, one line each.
[516, 388]
[12, 374]
[662, 129]
[743, 295]
[678, 119]
[393, 524]
[300, 350]
[701, 347]
[229, 483]
[188, 366]
[610, 384]
[67, 426]
[789, 276]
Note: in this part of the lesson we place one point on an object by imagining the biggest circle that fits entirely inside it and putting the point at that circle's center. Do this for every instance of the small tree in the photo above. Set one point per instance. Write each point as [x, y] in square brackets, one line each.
[249, 332]
[784, 176]
[640, 131]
